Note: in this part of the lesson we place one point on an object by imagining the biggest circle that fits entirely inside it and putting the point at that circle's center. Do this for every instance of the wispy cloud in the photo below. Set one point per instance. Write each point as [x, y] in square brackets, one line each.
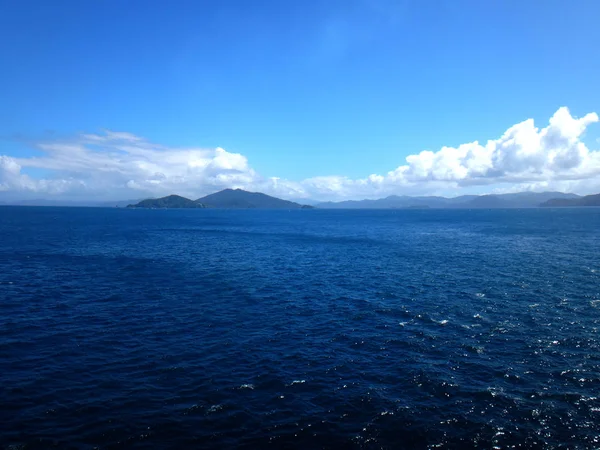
[122, 165]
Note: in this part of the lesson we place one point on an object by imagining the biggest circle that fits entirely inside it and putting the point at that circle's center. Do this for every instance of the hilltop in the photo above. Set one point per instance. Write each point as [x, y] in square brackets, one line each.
[238, 198]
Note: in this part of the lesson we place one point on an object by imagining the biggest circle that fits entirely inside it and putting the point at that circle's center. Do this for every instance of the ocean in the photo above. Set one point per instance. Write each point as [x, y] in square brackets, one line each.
[299, 329]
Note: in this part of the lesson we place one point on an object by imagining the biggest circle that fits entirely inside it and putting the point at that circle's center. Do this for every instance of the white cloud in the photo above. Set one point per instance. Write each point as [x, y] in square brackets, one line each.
[12, 180]
[524, 152]
[122, 165]
[121, 162]
[10, 174]
[112, 136]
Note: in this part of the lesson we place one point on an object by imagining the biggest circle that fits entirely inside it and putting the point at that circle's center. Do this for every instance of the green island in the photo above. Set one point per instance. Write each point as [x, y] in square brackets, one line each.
[227, 198]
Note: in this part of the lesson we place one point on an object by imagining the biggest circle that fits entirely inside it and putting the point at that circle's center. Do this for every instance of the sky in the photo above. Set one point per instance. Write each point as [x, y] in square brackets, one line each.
[319, 99]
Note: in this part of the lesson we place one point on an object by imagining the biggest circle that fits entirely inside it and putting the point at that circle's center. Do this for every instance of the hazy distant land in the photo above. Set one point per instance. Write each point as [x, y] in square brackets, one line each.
[516, 200]
[241, 199]
[588, 200]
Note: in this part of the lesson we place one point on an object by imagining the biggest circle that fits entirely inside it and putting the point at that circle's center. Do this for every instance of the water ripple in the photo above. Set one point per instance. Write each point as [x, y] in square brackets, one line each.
[301, 329]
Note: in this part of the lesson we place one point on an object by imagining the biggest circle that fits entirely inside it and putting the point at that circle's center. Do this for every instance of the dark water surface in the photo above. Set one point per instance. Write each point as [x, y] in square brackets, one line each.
[299, 329]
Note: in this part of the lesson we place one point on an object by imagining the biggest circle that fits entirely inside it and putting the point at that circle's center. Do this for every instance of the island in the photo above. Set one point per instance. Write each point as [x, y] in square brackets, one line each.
[227, 198]
[486, 201]
[587, 200]
[170, 201]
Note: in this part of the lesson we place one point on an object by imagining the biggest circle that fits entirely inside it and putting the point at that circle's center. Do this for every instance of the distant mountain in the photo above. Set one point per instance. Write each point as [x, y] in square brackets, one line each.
[588, 200]
[516, 200]
[70, 203]
[240, 199]
[228, 198]
[393, 201]
[488, 201]
[171, 201]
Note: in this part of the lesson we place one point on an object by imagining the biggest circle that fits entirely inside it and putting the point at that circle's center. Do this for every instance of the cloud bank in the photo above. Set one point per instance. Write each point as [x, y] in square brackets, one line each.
[113, 165]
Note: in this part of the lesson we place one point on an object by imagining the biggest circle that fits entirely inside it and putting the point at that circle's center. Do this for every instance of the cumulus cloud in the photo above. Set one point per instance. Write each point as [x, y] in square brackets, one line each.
[524, 152]
[121, 165]
[98, 164]
[13, 180]
[10, 174]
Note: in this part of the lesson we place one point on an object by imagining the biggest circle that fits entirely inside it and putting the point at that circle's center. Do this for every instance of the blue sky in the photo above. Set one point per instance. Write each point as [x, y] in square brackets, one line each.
[318, 90]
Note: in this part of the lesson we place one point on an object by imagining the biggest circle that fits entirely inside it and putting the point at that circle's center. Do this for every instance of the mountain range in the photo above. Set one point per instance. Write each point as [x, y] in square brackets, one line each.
[588, 200]
[240, 199]
[516, 200]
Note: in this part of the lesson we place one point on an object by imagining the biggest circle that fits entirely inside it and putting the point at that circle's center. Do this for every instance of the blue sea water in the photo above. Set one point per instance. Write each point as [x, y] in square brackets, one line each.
[299, 329]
